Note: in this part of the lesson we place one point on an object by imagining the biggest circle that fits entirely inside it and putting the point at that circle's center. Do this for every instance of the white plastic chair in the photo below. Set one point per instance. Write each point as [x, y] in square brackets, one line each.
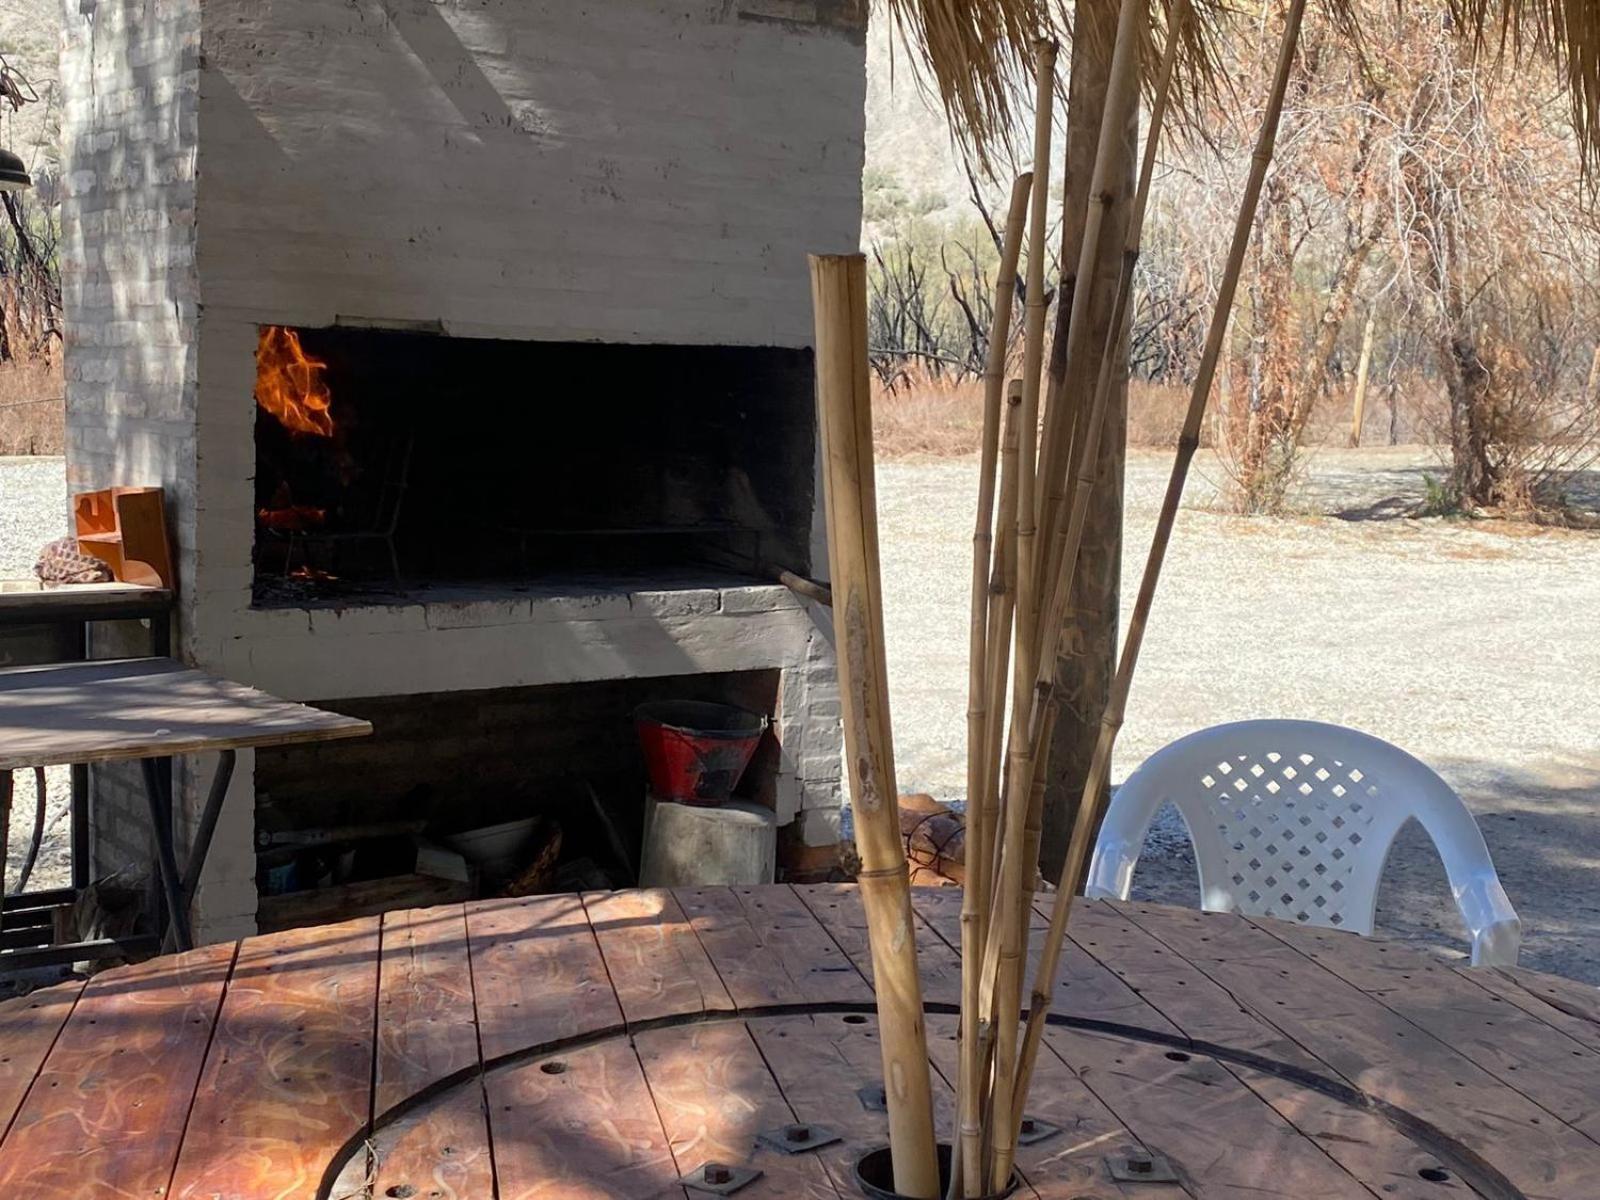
[1294, 820]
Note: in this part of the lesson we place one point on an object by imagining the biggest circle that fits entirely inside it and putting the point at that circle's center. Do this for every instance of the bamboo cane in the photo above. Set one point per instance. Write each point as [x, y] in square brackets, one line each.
[1078, 452]
[1060, 425]
[975, 893]
[1083, 492]
[979, 711]
[1033, 350]
[1031, 727]
[1002, 610]
[1002, 607]
[1189, 442]
[6, 795]
[839, 291]
[1002, 954]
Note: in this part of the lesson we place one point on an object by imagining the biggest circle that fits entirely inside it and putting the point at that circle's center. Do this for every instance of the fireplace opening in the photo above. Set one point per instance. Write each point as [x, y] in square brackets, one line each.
[390, 461]
[348, 827]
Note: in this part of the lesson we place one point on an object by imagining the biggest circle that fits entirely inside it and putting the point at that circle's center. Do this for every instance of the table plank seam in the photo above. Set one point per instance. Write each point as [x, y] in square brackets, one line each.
[655, 1107]
[22, 1100]
[1462, 1142]
[933, 928]
[1239, 1073]
[477, 1037]
[1446, 1046]
[843, 953]
[1549, 1003]
[1243, 1006]
[794, 1113]
[710, 958]
[194, 1094]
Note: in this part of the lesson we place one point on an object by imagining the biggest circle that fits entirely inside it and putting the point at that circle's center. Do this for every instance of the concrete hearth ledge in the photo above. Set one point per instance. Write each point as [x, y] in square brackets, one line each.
[487, 636]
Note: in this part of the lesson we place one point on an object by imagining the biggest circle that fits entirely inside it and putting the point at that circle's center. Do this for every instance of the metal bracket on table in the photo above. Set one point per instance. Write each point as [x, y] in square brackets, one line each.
[1141, 1168]
[1032, 1129]
[873, 1098]
[720, 1179]
[797, 1139]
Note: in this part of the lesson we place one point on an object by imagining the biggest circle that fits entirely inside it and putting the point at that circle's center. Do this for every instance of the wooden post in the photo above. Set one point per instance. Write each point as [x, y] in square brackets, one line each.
[839, 299]
[1358, 409]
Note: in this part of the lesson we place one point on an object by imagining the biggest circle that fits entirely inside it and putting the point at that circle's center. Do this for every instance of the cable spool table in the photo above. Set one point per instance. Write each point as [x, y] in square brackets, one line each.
[618, 1044]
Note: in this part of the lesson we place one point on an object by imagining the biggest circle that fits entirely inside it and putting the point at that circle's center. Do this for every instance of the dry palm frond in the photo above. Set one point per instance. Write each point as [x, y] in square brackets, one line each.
[978, 54]
[1567, 31]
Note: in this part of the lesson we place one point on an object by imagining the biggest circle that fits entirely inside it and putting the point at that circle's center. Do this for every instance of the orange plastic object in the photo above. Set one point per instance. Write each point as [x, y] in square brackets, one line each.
[126, 528]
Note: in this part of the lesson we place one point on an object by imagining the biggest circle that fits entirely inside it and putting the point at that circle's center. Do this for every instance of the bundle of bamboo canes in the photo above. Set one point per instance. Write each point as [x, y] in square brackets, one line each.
[1037, 472]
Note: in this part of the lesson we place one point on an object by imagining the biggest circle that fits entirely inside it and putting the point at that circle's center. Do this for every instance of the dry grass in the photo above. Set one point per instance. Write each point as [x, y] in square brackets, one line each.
[32, 410]
[940, 417]
[929, 416]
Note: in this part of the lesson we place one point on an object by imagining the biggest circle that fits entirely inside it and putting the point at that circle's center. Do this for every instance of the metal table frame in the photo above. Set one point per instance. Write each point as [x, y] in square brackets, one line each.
[66, 608]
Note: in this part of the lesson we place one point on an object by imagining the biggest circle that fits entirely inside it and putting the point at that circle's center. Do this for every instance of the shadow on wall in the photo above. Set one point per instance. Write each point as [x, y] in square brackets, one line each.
[1543, 833]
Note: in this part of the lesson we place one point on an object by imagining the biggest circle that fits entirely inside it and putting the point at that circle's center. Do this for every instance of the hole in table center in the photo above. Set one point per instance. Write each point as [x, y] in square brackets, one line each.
[554, 1067]
[1434, 1174]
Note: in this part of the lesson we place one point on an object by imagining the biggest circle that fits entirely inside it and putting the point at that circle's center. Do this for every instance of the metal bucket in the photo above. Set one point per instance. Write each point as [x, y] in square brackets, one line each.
[694, 751]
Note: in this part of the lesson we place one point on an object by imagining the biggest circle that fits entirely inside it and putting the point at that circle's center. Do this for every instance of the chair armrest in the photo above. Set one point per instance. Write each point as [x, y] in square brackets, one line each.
[1494, 925]
[1110, 874]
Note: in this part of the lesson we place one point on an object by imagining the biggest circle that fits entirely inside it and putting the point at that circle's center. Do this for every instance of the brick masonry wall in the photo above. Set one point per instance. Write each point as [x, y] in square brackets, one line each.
[640, 170]
[130, 86]
[635, 170]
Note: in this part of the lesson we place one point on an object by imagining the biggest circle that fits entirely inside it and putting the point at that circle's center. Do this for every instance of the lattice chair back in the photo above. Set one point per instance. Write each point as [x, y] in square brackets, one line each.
[1294, 820]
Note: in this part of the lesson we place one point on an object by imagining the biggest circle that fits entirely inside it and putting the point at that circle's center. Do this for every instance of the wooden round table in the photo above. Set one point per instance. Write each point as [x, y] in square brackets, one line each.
[614, 1044]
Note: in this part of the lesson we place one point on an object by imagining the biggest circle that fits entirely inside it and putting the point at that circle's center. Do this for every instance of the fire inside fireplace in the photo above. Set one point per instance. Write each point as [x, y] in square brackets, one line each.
[388, 461]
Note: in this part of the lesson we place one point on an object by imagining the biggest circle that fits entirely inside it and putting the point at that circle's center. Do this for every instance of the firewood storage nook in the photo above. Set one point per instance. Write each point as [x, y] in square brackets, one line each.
[478, 376]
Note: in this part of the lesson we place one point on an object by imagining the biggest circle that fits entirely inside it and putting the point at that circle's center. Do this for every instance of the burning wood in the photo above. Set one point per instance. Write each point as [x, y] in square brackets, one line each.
[291, 518]
[289, 384]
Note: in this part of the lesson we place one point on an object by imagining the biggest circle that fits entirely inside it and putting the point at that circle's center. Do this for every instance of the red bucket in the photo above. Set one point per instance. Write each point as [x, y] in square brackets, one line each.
[695, 752]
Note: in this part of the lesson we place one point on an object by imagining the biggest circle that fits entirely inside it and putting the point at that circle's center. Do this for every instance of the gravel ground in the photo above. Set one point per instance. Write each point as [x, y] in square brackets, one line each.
[33, 505]
[1470, 644]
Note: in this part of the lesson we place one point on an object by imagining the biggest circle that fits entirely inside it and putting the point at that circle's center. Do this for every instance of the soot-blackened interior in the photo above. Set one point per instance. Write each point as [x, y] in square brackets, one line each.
[468, 459]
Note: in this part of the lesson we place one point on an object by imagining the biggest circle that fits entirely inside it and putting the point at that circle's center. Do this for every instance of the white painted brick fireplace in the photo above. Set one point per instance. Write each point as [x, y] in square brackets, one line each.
[636, 172]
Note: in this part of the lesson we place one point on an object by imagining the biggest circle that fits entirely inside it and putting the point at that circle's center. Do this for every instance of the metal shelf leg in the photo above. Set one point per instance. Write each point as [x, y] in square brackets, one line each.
[157, 793]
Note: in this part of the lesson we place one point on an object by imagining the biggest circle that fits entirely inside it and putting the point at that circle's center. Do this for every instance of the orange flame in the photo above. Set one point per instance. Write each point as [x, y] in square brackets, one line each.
[289, 385]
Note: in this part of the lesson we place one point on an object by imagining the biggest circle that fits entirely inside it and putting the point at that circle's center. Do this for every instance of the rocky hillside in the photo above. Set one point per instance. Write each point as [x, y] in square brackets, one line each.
[909, 153]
